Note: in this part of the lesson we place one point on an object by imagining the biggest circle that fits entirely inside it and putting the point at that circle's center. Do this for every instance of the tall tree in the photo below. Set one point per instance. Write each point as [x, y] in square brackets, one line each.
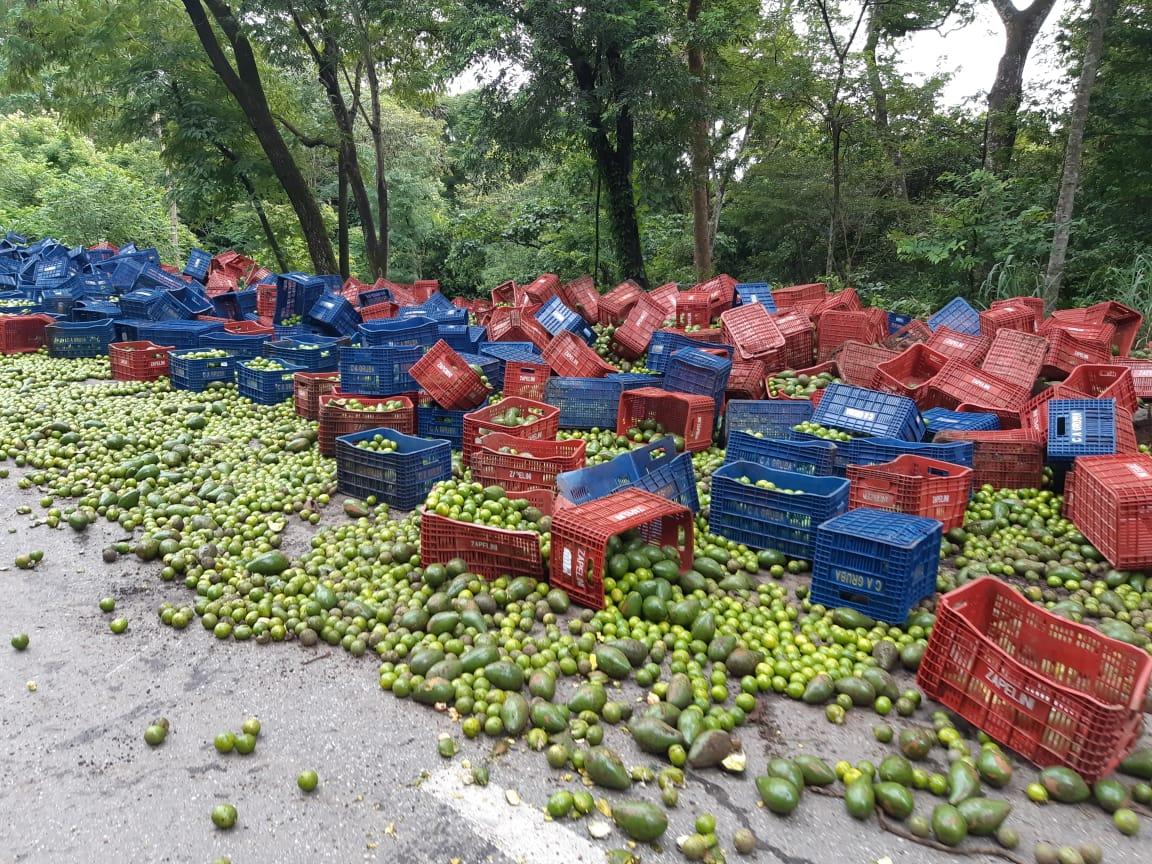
[700, 150]
[243, 81]
[1020, 29]
[1070, 178]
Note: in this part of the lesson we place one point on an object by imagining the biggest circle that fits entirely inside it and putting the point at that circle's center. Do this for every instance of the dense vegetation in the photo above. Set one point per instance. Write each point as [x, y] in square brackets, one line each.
[778, 141]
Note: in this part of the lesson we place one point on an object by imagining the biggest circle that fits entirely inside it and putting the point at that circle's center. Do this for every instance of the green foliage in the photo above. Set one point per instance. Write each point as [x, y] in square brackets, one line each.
[58, 184]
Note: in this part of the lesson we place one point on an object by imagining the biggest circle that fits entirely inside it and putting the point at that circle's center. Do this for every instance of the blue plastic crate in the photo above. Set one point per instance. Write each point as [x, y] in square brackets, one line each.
[245, 346]
[151, 304]
[95, 310]
[817, 458]
[378, 371]
[555, 317]
[22, 306]
[666, 473]
[435, 311]
[943, 420]
[296, 294]
[400, 479]
[197, 264]
[770, 518]
[585, 403]
[334, 314]
[179, 334]
[421, 332]
[289, 331]
[693, 371]
[869, 412]
[192, 302]
[194, 373]
[432, 421]
[373, 296]
[877, 562]
[897, 322]
[246, 300]
[509, 350]
[958, 315]
[461, 338]
[635, 380]
[310, 353]
[1081, 427]
[756, 292]
[266, 386]
[95, 287]
[876, 451]
[59, 301]
[79, 338]
[598, 481]
[773, 418]
[665, 343]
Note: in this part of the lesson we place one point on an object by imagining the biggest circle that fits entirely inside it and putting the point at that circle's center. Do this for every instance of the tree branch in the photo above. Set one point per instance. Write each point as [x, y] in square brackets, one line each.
[306, 140]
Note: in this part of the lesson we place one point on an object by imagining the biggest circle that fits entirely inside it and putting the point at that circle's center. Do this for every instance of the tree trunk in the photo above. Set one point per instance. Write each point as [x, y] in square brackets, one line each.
[1020, 29]
[245, 86]
[327, 58]
[614, 164]
[835, 129]
[729, 170]
[265, 225]
[381, 173]
[700, 156]
[880, 107]
[1070, 180]
[342, 212]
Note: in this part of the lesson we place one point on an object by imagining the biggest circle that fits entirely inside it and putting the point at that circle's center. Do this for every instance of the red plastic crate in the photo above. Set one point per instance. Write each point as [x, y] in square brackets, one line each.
[488, 552]
[540, 290]
[336, 420]
[960, 346]
[1016, 356]
[1097, 381]
[23, 334]
[1125, 319]
[1066, 352]
[248, 328]
[1112, 507]
[710, 334]
[914, 485]
[1056, 692]
[721, 292]
[266, 300]
[787, 298]
[666, 295]
[1005, 459]
[423, 289]
[912, 333]
[449, 379]
[751, 330]
[614, 306]
[685, 414]
[857, 362]
[907, 373]
[1076, 323]
[835, 327]
[694, 309]
[481, 422]
[523, 465]
[378, 311]
[1035, 305]
[580, 536]
[959, 382]
[799, 342]
[1141, 375]
[630, 340]
[845, 301]
[138, 361]
[570, 357]
[307, 389]
[517, 325]
[580, 295]
[503, 294]
[1010, 418]
[1019, 318]
[746, 381]
[528, 380]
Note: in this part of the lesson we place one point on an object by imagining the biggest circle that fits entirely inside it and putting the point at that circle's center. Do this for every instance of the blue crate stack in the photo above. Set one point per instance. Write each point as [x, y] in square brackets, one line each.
[860, 411]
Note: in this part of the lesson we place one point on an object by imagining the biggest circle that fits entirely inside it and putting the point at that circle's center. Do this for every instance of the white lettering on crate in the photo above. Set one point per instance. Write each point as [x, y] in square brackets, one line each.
[1138, 471]
[1010, 690]
[941, 499]
[858, 580]
[860, 414]
[877, 497]
[1076, 422]
[629, 513]
[953, 343]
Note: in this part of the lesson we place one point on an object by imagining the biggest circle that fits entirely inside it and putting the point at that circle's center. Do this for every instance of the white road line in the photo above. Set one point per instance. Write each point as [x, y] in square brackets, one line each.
[522, 833]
